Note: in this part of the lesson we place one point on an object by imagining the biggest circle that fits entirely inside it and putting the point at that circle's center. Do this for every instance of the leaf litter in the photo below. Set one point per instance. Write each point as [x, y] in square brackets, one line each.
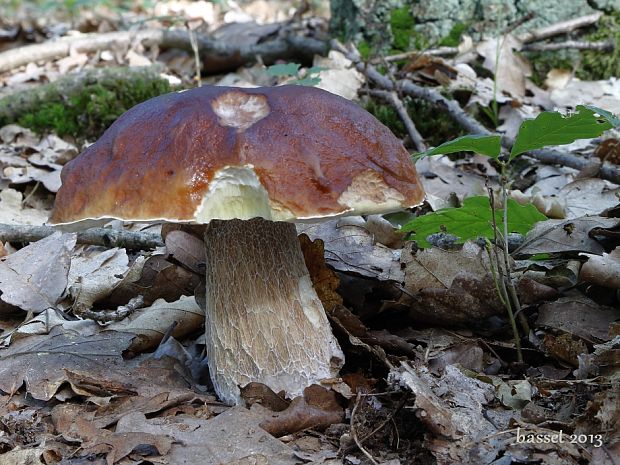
[446, 391]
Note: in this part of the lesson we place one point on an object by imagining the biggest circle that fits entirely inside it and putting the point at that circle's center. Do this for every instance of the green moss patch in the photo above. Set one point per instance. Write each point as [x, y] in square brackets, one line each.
[82, 106]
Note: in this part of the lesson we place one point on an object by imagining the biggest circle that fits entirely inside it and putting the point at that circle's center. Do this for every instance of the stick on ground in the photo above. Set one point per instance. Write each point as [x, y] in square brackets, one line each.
[95, 236]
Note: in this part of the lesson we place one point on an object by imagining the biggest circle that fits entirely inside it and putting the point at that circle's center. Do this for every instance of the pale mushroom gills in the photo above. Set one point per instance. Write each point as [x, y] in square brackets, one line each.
[249, 162]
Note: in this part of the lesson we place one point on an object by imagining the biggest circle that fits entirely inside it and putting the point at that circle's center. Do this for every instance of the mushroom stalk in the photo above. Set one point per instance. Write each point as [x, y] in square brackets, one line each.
[264, 320]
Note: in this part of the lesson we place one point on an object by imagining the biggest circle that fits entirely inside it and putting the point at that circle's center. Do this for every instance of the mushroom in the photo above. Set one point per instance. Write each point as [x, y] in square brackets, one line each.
[250, 163]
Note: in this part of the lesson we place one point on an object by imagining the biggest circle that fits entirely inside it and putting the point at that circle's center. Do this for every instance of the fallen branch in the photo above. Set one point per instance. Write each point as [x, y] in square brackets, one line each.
[440, 51]
[95, 236]
[470, 124]
[107, 316]
[560, 28]
[574, 44]
[392, 98]
[217, 56]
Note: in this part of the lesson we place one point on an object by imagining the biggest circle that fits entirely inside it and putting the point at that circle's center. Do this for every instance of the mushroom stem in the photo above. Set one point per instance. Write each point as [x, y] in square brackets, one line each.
[264, 320]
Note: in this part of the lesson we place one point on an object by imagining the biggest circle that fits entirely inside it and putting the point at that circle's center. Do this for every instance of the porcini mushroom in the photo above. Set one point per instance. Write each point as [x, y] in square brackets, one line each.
[249, 162]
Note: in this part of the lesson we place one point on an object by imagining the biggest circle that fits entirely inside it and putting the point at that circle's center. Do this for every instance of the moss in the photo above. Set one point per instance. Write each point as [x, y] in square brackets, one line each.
[401, 23]
[588, 65]
[454, 36]
[387, 115]
[543, 62]
[365, 49]
[89, 113]
[435, 126]
[602, 65]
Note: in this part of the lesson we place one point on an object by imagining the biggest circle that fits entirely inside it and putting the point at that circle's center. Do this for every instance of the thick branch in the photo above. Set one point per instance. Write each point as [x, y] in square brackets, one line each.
[95, 236]
[217, 56]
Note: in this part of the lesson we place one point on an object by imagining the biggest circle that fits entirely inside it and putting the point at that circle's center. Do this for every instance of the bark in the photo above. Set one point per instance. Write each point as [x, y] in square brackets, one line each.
[264, 321]
[217, 56]
[95, 236]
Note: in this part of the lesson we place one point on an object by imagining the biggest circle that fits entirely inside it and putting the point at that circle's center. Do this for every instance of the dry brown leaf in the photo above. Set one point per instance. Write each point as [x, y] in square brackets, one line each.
[149, 324]
[450, 287]
[602, 270]
[13, 211]
[580, 316]
[317, 408]
[187, 249]
[35, 277]
[40, 360]
[94, 273]
[154, 278]
[564, 348]
[509, 68]
[119, 445]
[232, 435]
[259, 393]
[324, 279]
[351, 248]
[553, 236]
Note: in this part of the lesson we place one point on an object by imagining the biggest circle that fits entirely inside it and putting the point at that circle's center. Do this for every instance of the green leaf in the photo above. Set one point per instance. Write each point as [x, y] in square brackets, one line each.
[553, 128]
[288, 69]
[316, 69]
[610, 117]
[307, 81]
[472, 220]
[484, 145]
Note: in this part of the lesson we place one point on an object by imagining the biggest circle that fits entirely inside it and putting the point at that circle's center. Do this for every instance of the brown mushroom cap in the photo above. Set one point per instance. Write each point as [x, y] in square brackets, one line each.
[282, 153]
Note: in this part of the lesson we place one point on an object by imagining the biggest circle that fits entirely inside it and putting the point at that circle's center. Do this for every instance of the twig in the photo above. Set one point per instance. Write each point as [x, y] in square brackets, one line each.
[95, 236]
[194, 43]
[439, 51]
[504, 273]
[389, 418]
[560, 28]
[471, 125]
[575, 44]
[217, 55]
[392, 98]
[122, 312]
[358, 400]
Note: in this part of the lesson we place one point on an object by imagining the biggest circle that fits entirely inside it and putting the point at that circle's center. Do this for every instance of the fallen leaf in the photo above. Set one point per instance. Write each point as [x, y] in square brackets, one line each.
[39, 361]
[602, 270]
[232, 435]
[588, 197]
[324, 279]
[449, 287]
[94, 273]
[149, 324]
[317, 408]
[351, 248]
[339, 76]
[187, 249]
[603, 94]
[509, 68]
[12, 210]
[35, 277]
[579, 316]
[554, 236]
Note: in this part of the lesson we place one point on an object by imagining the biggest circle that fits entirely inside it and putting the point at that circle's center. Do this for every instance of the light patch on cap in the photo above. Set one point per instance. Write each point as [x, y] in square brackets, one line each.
[368, 193]
[236, 192]
[240, 110]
